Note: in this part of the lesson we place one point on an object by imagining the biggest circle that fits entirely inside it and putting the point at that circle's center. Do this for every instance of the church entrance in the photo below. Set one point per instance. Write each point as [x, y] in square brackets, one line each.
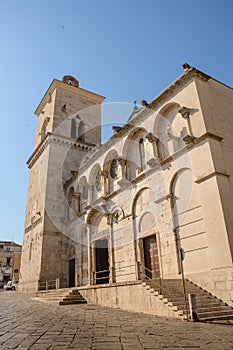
[101, 261]
[151, 257]
[72, 273]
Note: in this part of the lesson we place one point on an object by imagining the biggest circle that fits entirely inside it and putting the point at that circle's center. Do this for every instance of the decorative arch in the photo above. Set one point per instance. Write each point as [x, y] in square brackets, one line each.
[135, 152]
[180, 196]
[72, 252]
[170, 128]
[146, 223]
[111, 171]
[44, 128]
[134, 202]
[77, 129]
[94, 217]
[71, 202]
[95, 181]
[68, 79]
[117, 213]
[82, 193]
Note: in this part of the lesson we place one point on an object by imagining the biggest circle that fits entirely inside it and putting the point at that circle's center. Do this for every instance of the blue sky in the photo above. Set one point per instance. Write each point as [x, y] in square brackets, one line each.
[125, 50]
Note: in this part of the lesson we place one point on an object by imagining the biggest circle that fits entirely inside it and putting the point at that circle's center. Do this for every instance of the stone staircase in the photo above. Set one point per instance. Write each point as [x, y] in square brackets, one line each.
[208, 307]
[74, 297]
[65, 296]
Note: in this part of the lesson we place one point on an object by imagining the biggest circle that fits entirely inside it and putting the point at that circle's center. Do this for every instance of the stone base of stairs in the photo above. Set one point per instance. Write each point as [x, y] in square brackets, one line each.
[73, 297]
[207, 308]
[66, 296]
[53, 296]
[131, 296]
[145, 297]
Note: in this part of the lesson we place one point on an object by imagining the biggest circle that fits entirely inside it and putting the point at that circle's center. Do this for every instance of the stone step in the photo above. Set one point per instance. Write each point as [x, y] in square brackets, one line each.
[70, 297]
[207, 305]
[214, 314]
[199, 304]
[214, 308]
[214, 318]
[53, 296]
[74, 297]
[71, 302]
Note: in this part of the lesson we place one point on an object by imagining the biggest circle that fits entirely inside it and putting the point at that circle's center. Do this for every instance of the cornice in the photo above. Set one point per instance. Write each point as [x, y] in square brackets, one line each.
[38, 151]
[56, 139]
[34, 224]
[209, 176]
[179, 82]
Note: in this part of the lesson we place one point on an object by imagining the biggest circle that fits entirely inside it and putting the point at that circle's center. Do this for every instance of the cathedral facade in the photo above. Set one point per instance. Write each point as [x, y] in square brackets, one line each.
[158, 191]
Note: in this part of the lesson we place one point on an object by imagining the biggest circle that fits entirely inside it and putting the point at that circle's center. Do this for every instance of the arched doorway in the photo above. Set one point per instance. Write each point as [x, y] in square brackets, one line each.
[72, 266]
[151, 257]
[101, 261]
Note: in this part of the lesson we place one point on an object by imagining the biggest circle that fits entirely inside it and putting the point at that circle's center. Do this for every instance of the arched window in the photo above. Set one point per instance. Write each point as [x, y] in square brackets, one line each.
[142, 154]
[84, 196]
[73, 128]
[71, 202]
[43, 128]
[77, 129]
[114, 171]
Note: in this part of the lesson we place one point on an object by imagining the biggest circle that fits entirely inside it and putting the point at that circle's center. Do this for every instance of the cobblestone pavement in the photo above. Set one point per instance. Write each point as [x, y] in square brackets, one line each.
[26, 323]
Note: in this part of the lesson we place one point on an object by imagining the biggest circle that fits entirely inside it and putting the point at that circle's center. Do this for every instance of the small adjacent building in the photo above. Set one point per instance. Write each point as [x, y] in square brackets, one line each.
[10, 257]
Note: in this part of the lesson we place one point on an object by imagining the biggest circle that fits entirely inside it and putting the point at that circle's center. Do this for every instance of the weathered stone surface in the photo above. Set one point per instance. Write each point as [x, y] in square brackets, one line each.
[87, 195]
[27, 324]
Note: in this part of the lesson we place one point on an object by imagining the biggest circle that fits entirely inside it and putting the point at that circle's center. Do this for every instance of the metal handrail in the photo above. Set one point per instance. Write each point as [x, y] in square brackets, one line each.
[106, 272]
[153, 279]
[102, 271]
[45, 285]
[161, 288]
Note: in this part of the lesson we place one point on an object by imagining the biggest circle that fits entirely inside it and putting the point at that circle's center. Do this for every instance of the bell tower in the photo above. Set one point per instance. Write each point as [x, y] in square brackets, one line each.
[68, 127]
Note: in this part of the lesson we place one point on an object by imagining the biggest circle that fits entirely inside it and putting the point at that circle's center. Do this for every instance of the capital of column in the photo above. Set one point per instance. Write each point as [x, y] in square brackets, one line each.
[184, 111]
[104, 173]
[122, 161]
[151, 138]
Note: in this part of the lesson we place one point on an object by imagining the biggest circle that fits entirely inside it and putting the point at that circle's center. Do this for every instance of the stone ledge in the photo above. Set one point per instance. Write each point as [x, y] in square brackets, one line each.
[118, 284]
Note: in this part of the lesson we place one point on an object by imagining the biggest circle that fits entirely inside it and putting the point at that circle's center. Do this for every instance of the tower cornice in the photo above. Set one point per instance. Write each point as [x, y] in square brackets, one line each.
[58, 139]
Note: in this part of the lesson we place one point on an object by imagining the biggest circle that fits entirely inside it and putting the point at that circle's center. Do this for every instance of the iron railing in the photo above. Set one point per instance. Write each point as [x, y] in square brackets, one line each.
[49, 284]
[156, 281]
[101, 277]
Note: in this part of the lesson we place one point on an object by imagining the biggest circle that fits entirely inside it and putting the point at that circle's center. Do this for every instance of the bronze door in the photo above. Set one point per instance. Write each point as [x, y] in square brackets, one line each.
[151, 257]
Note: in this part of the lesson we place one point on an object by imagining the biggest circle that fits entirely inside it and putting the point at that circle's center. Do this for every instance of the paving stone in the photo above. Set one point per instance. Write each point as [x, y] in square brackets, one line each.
[27, 324]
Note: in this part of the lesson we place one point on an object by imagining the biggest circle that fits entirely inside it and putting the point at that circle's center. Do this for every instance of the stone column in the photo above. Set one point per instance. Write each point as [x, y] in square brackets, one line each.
[123, 163]
[184, 111]
[175, 230]
[90, 193]
[111, 249]
[104, 173]
[89, 254]
[154, 141]
[77, 197]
